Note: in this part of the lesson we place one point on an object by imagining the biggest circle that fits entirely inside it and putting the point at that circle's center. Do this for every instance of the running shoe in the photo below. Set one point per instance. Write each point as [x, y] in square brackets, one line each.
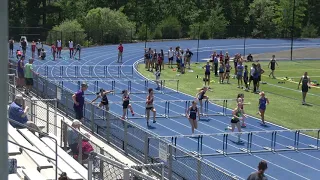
[154, 121]
[133, 114]
[158, 88]
[243, 125]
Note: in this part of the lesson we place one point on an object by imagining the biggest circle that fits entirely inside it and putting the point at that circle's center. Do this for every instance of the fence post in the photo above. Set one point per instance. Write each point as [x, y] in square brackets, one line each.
[32, 112]
[125, 138]
[48, 116]
[55, 117]
[126, 173]
[146, 149]
[80, 149]
[199, 169]
[170, 162]
[101, 163]
[64, 133]
[92, 117]
[90, 166]
[108, 121]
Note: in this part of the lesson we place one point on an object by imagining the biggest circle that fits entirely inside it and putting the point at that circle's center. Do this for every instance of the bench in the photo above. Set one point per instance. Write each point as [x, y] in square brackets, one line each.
[31, 174]
[13, 177]
[40, 161]
[75, 164]
[13, 149]
[63, 165]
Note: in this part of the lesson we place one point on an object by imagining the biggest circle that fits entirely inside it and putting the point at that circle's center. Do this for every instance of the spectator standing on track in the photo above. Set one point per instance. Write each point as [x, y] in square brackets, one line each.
[11, 44]
[215, 63]
[43, 54]
[59, 48]
[273, 64]
[18, 112]
[78, 49]
[73, 136]
[28, 75]
[188, 56]
[305, 80]
[240, 69]
[170, 57]
[53, 51]
[259, 175]
[71, 48]
[120, 53]
[33, 49]
[78, 101]
[39, 47]
[20, 71]
[24, 46]
[260, 72]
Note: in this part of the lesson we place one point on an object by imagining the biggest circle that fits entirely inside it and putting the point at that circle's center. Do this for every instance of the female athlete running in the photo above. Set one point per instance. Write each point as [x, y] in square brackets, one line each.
[126, 103]
[305, 80]
[200, 96]
[192, 114]
[237, 114]
[240, 102]
[150, 107]
[104, 99]
[263, 101]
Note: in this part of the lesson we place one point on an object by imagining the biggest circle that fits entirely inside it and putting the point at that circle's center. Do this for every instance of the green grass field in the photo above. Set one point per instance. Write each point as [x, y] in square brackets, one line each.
[285, 107]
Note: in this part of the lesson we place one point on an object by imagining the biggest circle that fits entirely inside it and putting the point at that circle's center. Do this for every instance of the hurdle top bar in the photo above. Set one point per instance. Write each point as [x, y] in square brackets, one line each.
[237, 133]
[55, 65]
[107, 80]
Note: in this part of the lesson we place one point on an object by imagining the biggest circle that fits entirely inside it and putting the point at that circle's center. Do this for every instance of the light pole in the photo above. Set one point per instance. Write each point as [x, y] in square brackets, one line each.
[292, 28]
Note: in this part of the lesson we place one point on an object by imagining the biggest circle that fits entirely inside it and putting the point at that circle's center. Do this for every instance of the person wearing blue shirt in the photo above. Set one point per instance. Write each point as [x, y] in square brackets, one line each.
[18, 112]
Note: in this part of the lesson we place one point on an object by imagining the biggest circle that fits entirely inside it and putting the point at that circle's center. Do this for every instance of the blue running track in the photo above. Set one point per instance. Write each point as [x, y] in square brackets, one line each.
[293, 165]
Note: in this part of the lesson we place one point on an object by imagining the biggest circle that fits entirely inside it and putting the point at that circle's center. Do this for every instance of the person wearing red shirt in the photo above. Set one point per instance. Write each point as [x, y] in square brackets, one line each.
[86, 148]
[120, 49]
[53, 51]
[33, 48]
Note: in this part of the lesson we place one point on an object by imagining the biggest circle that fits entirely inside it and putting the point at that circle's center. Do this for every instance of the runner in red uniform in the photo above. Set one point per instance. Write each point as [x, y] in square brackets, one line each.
[53, 51]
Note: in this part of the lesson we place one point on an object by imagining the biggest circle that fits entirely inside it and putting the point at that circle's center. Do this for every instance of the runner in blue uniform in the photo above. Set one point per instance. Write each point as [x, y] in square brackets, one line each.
[305, 80]
[263, 101]
[192, 114]
[126, 104]
[200, 96]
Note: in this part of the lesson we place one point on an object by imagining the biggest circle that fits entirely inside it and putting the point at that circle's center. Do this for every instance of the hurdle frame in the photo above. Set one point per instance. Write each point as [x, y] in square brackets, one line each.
[91, 69]
[248, 136]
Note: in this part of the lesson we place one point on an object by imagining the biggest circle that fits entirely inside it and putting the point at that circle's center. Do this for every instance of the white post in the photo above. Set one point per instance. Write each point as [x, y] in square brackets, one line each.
[56, 117]
[126, 173]
[4, 88]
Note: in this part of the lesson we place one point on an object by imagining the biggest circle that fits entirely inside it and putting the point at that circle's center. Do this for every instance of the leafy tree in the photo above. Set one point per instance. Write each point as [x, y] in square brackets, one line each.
[170, 28]
[113, 25]
[262, 13]
[68, 29]
[309, 31]
[284, 16]
[217, 23]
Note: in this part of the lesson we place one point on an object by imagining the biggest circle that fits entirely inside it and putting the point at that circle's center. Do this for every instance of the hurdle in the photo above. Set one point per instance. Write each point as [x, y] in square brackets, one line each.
[249, 142]
[141, 85]
[86, 71]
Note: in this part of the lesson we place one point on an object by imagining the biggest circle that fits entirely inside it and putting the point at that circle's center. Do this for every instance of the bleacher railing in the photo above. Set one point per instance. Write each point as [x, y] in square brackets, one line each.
[55, 159]
[131, 138]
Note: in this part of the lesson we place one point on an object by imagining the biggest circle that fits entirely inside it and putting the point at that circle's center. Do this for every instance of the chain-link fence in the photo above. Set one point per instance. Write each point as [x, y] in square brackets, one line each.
[124, 135]
[244, 39]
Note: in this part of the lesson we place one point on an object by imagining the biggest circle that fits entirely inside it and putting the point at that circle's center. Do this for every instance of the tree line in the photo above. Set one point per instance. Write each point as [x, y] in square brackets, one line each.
[111, 21]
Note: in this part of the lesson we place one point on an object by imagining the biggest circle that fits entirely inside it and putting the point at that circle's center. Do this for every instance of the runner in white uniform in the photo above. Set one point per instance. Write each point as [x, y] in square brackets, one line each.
[59, 48]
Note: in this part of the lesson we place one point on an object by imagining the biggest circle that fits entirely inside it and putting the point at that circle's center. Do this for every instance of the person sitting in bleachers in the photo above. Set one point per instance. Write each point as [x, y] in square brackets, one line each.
[63, 176]
[73, 136]
[86, 149]
[18, 112]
